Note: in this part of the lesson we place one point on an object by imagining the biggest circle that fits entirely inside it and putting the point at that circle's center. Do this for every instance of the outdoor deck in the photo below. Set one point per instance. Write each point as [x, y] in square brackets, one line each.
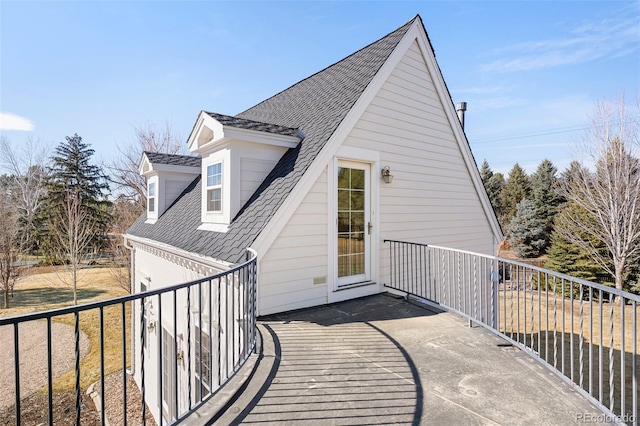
[383, 360]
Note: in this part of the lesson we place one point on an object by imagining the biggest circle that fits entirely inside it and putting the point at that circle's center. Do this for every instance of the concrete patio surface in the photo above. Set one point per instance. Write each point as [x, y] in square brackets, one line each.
[382, 360]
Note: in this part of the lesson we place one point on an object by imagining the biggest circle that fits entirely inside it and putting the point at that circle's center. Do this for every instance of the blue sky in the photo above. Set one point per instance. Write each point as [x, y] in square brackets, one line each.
[531, 72]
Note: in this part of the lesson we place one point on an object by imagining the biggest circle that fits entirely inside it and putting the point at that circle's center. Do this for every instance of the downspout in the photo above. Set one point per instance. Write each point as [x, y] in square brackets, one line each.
[130, 247]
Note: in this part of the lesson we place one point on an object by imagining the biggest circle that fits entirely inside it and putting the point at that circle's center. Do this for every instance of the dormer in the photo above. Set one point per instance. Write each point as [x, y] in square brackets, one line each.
[167, 176]
[237, 155]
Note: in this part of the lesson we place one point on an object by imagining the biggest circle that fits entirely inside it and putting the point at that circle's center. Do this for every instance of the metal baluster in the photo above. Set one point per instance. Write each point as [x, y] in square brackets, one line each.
[532, 311]
[511, 299]
[16, 371]
[600, 353]
[518, 303]
[622, 355]
[555, 324]
[219, 332]
[199, 348]
[563, 322]
[475, 288]
[142, 375]
[571, 344]
[590, 341]
[210, 328]
[634, 362]
[581, 347]
[540, 315]
[611, 360]
[160, 349]
[77, 385]
[123, 320]
[524, 308]
[546, 324]
[188, 360]
[103, 420]
[174, 361]
[49, 374]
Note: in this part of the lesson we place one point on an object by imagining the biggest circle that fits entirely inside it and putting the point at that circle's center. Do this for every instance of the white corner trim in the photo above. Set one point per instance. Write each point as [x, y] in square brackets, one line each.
[293, 200]
[150, 221]
[202, 264]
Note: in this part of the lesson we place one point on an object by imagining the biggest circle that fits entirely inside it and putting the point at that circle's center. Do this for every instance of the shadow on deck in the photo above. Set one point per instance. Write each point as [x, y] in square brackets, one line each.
[383, 360]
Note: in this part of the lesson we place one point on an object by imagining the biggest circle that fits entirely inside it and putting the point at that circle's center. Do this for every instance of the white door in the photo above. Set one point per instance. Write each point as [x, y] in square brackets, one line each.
[353, 225]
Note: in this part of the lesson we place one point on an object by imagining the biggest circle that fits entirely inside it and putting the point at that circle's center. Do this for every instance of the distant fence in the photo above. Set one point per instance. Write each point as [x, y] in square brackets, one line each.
[585, 332]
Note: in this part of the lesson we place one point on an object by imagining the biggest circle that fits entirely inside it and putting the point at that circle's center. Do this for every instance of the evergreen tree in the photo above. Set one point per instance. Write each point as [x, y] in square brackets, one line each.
[515, 190]
[526, 231]
[545, 196]
[567, 258]
[72, 176]
[493, 184]
[485, 172]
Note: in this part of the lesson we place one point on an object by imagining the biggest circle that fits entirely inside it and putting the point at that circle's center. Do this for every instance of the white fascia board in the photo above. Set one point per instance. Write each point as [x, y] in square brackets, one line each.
[198, 258]
[461, 138]
[204, 121]
[172, 168]
[144, 165]
[256, 136]
[271, 231]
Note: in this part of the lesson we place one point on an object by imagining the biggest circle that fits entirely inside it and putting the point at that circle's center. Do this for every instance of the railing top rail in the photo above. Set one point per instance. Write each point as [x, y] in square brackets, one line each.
[121, 299]
[596, 286]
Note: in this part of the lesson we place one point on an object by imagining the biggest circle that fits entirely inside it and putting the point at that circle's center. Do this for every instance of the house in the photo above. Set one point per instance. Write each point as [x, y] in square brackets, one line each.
[300, 179]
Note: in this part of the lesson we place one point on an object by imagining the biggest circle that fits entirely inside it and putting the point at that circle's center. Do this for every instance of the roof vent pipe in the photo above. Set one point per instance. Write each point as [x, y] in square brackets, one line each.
[461, 107]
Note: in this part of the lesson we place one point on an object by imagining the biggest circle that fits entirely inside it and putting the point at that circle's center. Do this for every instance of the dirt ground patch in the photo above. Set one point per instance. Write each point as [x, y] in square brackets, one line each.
[32, 341]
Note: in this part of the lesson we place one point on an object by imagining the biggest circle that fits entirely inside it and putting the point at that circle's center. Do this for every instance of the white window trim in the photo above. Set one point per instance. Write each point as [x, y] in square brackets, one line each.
[360, 155]
[152, 195]
[217, 220]
[153, 181]
[219, 186]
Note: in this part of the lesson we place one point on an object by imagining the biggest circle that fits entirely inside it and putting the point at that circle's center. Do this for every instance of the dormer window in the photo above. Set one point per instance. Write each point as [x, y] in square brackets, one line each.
[214, 188]
[151, 197]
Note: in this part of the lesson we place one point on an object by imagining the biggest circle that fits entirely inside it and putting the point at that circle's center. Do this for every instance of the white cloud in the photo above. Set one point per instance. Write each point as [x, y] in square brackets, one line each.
[589, 41]
[10, 121]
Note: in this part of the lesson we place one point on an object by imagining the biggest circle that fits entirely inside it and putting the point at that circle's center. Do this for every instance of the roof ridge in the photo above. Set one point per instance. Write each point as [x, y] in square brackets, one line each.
[248, 119]
[399, 29]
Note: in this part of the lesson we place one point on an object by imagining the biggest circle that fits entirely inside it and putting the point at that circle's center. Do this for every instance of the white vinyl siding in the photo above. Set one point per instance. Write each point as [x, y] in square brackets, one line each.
[253, 174]
[432, 198]
[298, 255]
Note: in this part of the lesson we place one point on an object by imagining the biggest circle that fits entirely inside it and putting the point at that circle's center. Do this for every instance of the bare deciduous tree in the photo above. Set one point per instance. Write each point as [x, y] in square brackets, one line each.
[74, 230]
[26, 168]
[124, 168]
[124, 213]
[606, 190]
[10, 248]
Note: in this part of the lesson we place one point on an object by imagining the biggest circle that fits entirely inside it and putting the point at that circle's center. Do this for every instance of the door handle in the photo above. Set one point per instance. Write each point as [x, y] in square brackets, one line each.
[369, 227]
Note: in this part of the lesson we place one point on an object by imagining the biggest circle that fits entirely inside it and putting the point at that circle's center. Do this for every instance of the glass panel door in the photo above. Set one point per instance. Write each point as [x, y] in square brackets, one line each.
[353, 223]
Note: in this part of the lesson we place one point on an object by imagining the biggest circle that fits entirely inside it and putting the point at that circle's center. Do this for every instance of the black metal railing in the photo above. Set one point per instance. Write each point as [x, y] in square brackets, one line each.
[180, 344]
[585, 332]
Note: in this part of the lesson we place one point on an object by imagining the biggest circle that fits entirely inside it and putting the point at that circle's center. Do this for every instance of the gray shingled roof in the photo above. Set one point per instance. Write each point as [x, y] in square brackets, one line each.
[244, 123]
[173, 159]
[316, 106]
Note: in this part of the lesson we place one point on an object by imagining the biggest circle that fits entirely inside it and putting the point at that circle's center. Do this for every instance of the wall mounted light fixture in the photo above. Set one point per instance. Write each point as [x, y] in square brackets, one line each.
[387, 177]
